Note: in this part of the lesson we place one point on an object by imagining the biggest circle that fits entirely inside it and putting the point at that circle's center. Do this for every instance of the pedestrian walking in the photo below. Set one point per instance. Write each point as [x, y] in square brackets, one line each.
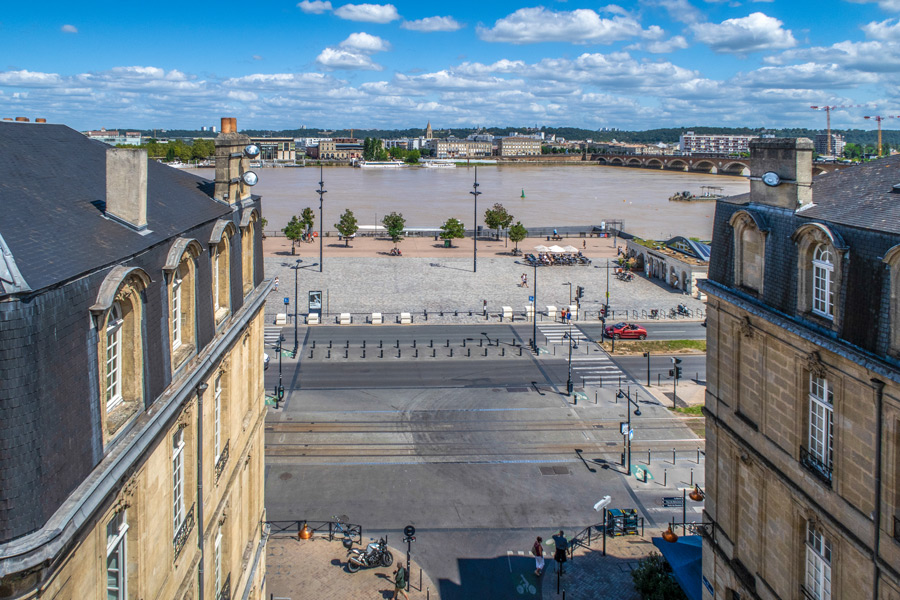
[538, 551]
[524, 280]
[562, 544]
[400, 583]
[276, 284]
[584, 244]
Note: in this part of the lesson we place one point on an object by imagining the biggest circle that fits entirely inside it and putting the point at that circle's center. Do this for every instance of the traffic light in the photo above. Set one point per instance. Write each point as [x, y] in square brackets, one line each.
[676, 371]
[579, 292]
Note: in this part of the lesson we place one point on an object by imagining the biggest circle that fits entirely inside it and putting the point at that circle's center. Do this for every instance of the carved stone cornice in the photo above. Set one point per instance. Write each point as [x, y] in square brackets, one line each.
[815, 365]
[746, 327]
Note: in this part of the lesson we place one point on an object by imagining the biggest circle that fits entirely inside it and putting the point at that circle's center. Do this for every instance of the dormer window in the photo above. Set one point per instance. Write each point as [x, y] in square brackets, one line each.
[114, 357]
[181, 270]
[176, 313]
[823, 282]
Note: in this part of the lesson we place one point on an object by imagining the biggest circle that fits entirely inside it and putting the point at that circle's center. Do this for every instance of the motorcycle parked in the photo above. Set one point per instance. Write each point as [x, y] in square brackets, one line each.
[376, 554]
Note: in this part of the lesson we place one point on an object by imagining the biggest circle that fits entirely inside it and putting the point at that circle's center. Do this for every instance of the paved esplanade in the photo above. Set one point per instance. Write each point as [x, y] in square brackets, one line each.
[480, 450]
[392, 285]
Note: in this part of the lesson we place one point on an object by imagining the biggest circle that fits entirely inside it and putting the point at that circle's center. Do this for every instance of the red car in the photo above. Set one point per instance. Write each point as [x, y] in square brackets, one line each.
[626, 331]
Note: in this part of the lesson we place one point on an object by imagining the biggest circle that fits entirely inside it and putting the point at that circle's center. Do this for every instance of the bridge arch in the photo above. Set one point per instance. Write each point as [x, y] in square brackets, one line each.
[677, 165]
[655, 163]
[736, 168]
[818, 170]
[601, 160]
[615, 160]
[704, 166]
[633, 162]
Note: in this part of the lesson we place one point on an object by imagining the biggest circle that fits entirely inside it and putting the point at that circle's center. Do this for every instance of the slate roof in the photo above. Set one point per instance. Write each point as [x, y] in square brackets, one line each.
[861, 196]
[49, 177]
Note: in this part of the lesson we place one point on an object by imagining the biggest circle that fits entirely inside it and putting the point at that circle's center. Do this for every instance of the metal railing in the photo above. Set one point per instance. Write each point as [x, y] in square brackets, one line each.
[328, 529]
[184, 530]
[223, 460]
[816, 466]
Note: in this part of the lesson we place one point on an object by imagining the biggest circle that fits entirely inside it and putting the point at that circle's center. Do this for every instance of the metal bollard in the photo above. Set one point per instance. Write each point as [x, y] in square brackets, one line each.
[480, 343]
[464, 342]
[648, 456]
[692, 476]
[398, 352]
[417, 353]
[329, 354]
[451, 352]
[485, 351]
[329, 344]
[434, 353]
[381, 354]
[468, 352]
[364, 344]
[345, 352]
[311, 353]
[448, 343]
[380, 344]
[673, 457]
[698, 456]
[665, 473]
[502, 351]
[398, 344]
[414, 343]
[595, 396]
[347, 344]
[364, 353]
[520, 350]
[314, 343]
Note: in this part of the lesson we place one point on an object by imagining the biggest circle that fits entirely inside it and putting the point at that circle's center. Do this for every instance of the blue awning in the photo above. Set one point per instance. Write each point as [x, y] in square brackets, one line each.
[685, 557]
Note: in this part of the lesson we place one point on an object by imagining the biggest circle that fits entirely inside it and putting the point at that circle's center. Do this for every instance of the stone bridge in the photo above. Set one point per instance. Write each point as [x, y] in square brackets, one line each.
[707, 163]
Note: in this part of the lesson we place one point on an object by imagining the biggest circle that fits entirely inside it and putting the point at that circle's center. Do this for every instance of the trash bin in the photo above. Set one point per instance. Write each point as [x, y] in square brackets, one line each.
[446, 243]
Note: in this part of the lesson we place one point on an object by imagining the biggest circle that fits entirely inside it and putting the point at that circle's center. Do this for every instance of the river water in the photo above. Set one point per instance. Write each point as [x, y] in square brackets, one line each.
[554, 196]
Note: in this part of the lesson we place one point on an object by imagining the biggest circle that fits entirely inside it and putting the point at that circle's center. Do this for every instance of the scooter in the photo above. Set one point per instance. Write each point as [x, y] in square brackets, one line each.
[376, 554]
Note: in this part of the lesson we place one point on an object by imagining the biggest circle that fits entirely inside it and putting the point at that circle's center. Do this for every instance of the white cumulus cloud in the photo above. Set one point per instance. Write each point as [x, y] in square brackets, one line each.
[430, 24]
[339, 58]
[661, 46]
[752, 33]
[887, 30]
[369, 13]
[889, 5]
[314, 7]
[364, 42]
[532, 25]
[68, 29]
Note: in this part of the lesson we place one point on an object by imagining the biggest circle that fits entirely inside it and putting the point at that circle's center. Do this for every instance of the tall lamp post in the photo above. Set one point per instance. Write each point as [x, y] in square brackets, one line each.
[534, 345]
[279, 389]
[569, 385]
[296, 269]
[475, 193]
[637, 413]
[321, 192]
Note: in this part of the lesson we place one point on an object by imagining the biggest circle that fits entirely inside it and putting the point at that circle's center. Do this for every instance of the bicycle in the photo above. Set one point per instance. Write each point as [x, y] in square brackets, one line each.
[339, 528]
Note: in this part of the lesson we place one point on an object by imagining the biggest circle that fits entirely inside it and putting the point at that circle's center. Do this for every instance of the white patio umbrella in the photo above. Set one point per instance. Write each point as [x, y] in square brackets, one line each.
[542, 248]
[572, 249]
[556, 249]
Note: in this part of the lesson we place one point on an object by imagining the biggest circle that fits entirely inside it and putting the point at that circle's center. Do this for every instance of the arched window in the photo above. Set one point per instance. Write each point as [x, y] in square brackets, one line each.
[248, 235]
[119, 311]
[892, 260]
[220, 264]
[820, 254]
[749, 252]
[181, 271]
[823, 282]
[114, 357]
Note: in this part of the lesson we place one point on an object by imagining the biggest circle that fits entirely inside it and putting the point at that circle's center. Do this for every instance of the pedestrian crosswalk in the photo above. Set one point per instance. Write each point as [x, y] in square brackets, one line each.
[556, 333]
[596, 370]
[270, 334]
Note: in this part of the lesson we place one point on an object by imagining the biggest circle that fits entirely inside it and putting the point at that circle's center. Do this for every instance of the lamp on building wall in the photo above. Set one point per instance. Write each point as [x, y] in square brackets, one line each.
[305, 532]
[697, 495]
[669, 535]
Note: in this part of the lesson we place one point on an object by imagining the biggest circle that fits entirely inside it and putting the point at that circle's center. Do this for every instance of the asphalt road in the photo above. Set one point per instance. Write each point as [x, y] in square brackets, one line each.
[656, 330]
[480, 454]
[693, 366]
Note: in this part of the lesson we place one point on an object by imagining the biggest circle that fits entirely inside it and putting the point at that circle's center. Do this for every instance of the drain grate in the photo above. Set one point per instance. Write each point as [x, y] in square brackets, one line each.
[555, 471]
[516, 390]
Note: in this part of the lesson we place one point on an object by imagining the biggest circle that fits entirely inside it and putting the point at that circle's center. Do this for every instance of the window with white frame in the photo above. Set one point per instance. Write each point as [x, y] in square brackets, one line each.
[178, 514]
[821, 423]
[114, 357]
[823, 282]
[116, 557]
[818, 563]
[217, 420]
[216, 266]
[176, 312]
[218, 561]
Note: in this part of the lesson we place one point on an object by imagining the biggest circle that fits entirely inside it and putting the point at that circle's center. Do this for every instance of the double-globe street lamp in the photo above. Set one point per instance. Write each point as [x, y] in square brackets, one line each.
[475, 193]
[296, 269]
[637, 412]
[321, 192]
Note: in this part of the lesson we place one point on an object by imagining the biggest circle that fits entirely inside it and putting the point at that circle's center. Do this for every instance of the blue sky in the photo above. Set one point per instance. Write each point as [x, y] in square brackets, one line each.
[274, 64]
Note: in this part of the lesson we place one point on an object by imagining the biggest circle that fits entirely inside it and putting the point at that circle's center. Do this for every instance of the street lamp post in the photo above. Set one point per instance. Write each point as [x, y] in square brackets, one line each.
[637, 413]
[569, 385]
[475, 193]
[279, 390]
[296, 268]
[534, 345]
[321, 192]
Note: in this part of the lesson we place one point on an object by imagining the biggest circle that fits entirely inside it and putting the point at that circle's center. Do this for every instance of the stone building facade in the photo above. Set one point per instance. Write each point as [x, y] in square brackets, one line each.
[680, 262]
[803, 383]
[131, 401]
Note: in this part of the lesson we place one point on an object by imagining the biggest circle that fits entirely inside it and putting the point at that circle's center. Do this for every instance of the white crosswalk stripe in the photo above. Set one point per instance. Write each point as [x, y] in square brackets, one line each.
[556, 333]
[596, 369]
[270, 335]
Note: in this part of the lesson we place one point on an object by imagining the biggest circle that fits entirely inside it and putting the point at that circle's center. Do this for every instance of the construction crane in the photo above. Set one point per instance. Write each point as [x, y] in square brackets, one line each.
[879, 119]
[828, 110]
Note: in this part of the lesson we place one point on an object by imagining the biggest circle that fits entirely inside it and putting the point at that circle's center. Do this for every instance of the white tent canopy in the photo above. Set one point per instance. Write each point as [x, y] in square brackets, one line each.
[557, 249]
[570, 249]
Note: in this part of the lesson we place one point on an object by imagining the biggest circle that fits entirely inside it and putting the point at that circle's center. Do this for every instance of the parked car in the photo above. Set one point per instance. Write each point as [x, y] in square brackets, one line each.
[626, 331]
[265, 360]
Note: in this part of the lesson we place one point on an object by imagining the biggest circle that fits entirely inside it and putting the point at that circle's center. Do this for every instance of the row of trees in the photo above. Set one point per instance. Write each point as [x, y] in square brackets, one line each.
[301, 227]
[179, 150]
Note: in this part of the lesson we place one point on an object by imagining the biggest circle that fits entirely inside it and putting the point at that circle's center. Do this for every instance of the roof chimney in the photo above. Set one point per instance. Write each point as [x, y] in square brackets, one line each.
[781, 172]
[126, 185]
[7, 118]
[22, 119]
[231, 163]
[40, 120]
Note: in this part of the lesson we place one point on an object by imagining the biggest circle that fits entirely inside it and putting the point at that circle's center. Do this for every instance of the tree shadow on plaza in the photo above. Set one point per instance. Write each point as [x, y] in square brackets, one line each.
[512, 577]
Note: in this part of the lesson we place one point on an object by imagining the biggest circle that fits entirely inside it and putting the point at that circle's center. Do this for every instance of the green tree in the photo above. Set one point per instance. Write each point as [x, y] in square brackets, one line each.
[853, 151]
[347, 226]
[412, 157]
[307, 219]
[497, 218]
[293, 231]
[202, 149]
[394, 223]
[452, 229]
[517, 233]
[263, 223]
[396, 152]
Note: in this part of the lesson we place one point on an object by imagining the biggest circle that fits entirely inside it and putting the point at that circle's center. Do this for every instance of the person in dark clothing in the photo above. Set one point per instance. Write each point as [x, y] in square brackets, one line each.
[562, 544]
[400, 582]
